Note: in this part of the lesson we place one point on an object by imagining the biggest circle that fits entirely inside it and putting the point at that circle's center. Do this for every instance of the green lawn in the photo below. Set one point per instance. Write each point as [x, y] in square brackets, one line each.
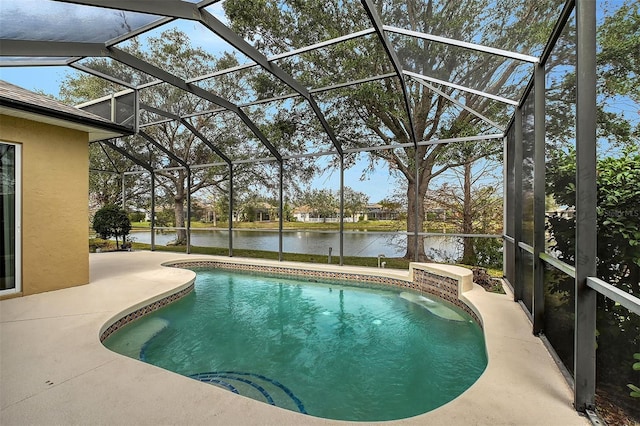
[391, 262]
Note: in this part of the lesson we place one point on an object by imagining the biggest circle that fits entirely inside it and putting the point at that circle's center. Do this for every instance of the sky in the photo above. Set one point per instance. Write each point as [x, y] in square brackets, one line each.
[49, 79]
[377, 185]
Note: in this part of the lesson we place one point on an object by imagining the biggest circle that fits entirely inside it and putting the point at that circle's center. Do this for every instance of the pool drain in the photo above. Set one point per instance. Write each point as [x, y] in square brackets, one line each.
[254, 386]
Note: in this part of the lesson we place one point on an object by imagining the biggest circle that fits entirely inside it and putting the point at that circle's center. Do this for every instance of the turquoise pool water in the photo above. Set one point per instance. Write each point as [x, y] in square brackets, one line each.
[325, 349]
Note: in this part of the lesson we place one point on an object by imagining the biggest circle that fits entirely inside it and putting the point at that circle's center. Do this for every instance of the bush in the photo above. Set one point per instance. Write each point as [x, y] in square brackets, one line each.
[136, 217]
[488, 252]
[111, 221]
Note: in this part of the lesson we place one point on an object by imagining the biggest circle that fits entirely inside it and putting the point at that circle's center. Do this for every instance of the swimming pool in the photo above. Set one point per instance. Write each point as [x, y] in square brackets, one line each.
[327, 349]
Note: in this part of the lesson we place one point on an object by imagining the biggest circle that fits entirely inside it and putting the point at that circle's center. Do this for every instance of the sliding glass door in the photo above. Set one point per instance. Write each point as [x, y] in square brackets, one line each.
[10, 218]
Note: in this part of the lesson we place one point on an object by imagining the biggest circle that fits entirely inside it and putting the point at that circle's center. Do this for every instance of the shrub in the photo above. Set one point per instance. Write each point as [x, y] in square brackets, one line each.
[136, 216]
[111, 221]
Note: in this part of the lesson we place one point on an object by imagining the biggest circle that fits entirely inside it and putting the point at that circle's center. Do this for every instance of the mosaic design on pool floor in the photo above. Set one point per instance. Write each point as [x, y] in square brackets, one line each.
[254, 386]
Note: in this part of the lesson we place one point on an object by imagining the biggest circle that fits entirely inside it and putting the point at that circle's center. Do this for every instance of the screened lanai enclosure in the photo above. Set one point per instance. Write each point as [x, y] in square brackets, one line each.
[517, 119]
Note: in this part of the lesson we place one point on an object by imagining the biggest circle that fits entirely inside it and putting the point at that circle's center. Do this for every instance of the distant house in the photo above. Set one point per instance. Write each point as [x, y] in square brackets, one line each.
[44, 187]
[305, 213]
[256, 212]
[434, 210]
[264, 212]
[302, 213]
[375, 211]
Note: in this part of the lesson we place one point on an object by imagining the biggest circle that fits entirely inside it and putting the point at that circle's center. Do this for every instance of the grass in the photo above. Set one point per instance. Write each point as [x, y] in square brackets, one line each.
[372, 262]
[391, 262]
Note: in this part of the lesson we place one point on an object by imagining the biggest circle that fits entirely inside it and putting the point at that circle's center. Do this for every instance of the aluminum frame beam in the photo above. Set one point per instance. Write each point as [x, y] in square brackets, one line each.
[460, 104]
[517, 203]
[213, 24]
[322, 44]
[627, 300]
[104, 76]
[539, 198]
[586, 207]
[168, 153]
[42, 62]
[190, 11]
[463, 88]
[154, 123]
[189, 126]
[462, 139]
[557, 30]
[35, 48]
[107, 97]
[464, 44]
[104, 151]
[280, 209]
[288, 54]
[353, 82]
[178, 82]
[126, 154]
[167, 8]
[188, 169]
[369, 7]
[295, 95]
[423, 143]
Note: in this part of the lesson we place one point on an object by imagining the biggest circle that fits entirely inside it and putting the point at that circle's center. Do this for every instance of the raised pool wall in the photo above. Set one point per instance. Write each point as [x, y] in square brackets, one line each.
[447, 282]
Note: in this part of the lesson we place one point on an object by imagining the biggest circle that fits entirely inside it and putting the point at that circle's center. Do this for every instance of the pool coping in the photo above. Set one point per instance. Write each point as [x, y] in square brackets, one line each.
[55, 370]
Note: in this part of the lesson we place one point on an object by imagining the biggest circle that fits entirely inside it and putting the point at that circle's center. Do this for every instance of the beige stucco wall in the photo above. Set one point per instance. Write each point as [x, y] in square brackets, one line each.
[55, 187]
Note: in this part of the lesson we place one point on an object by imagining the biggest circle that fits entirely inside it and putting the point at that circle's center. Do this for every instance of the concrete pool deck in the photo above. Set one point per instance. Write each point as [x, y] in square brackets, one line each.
[54, 370]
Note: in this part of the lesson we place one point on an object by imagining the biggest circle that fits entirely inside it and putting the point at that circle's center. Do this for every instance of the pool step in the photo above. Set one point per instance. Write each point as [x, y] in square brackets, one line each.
[253, 386]
[436, 308]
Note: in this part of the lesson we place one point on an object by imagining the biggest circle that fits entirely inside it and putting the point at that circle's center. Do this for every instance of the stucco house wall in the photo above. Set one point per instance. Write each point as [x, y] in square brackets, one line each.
[55, 187]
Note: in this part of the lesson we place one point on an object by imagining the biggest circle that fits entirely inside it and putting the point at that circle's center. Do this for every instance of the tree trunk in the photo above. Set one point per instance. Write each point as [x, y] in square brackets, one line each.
[413, 221]
[178, 208]
[468, 253]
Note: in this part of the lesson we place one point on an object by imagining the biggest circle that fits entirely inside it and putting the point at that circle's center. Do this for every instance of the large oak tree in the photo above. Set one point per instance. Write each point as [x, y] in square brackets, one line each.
[374, 113]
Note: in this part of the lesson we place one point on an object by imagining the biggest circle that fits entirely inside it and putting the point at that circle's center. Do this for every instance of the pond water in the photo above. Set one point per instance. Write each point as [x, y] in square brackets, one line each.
[362, 244]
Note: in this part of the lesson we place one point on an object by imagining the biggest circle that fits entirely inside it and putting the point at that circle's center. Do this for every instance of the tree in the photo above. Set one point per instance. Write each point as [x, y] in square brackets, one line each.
[484, 202]
[618, 183]
[373, 113]
[619, 58]
[111, 221]
[476, 206]
[355, 202]
[618, 258]
[173, 52]
[322, 202]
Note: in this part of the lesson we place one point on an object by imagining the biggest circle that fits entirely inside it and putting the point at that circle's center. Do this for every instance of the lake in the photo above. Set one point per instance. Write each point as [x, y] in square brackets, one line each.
[358, 243]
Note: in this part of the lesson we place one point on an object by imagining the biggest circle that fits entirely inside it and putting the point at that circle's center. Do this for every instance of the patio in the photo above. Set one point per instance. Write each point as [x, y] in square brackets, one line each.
[55, 370]
[565, 333]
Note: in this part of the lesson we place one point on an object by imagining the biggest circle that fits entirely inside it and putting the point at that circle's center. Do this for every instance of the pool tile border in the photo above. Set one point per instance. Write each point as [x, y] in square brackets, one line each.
[424, 281]
[145, 310]
[445, 288]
